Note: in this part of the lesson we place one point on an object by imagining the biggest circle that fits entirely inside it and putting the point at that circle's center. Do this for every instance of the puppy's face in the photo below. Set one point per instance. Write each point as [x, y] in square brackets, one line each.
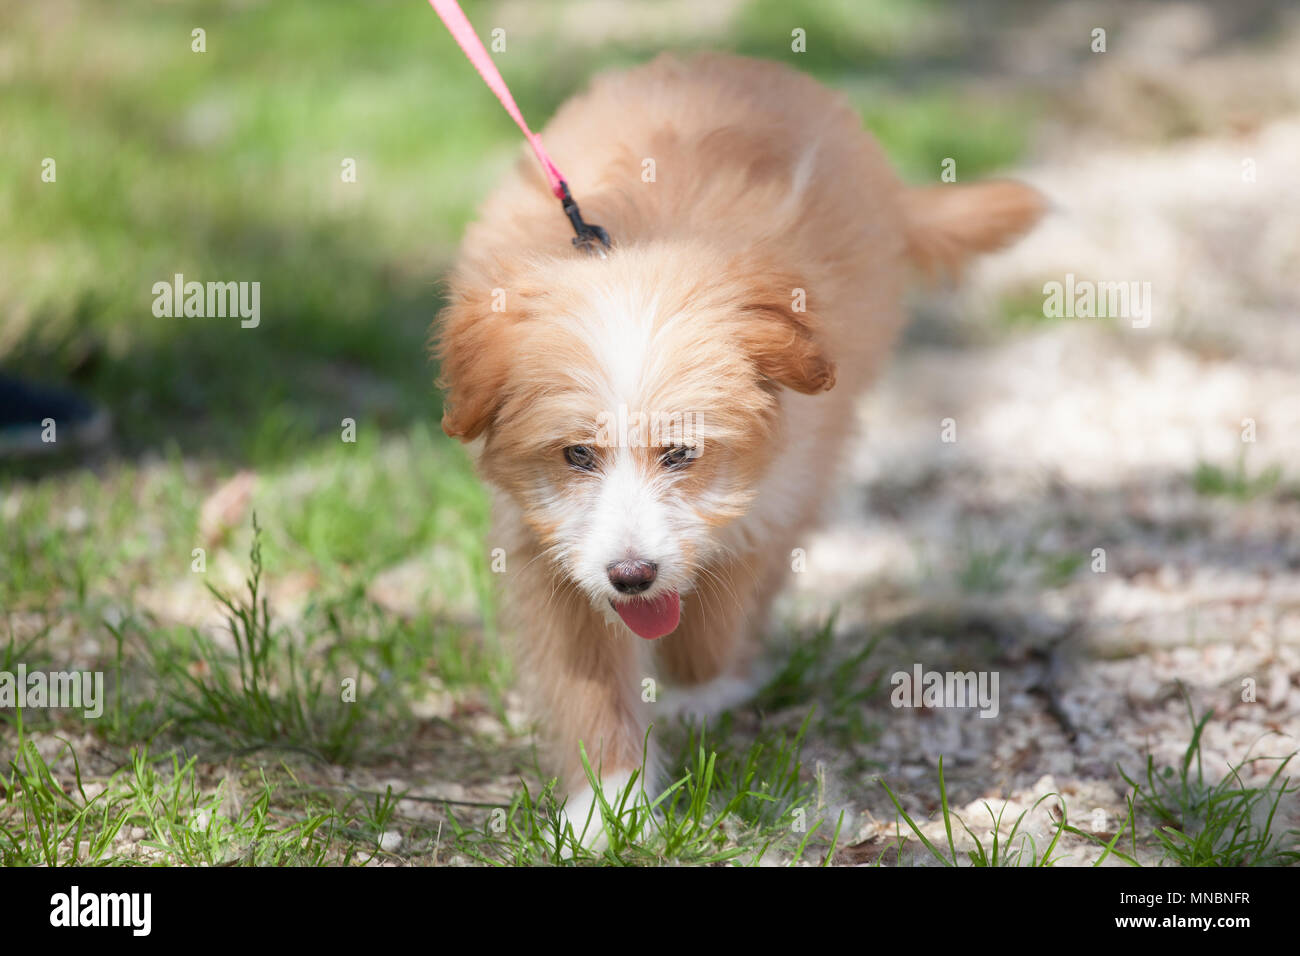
[628, 406]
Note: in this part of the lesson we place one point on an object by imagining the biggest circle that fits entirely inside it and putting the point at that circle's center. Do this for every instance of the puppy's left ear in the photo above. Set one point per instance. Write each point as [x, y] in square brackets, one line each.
[780, 333]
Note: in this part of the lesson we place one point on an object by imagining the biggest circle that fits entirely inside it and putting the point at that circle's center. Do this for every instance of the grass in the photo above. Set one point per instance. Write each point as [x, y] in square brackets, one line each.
[246, 691]
[1236, 483]
[998, 852]
[1187, 820]
[207, 705]
[342, 682]
[1221, 823]
[1024, 309]
[732, 808]
[1057, 570]
[184, 821]
[984, 570]
[260, 700]
[813, 670]
[44, 824]
[212, 712]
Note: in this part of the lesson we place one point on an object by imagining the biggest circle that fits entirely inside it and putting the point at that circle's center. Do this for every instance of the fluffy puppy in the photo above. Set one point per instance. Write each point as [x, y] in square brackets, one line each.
[659, 425]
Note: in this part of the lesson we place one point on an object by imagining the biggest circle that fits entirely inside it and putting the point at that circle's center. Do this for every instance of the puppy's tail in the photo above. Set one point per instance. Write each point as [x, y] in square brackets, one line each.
[947, 225]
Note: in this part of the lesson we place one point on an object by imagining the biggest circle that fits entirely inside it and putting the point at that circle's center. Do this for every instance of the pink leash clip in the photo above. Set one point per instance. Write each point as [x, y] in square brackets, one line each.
[453, 17]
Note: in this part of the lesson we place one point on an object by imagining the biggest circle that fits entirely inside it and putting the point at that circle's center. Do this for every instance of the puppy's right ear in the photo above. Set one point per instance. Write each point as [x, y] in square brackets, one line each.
[473, 348]
[947, 225]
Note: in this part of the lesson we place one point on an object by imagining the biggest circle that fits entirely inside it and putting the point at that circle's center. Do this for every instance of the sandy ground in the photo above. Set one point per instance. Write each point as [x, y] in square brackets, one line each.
[1084, 434]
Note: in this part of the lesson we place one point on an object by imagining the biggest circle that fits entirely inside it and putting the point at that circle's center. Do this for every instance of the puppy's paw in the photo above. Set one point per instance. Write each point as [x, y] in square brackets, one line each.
[700, 702]
[582, 812]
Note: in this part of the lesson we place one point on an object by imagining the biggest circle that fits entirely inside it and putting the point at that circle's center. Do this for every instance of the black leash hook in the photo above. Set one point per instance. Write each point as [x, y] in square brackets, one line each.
[588, 233]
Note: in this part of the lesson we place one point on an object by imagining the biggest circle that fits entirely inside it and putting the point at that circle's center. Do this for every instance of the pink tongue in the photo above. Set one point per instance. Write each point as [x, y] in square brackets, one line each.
[651, 619]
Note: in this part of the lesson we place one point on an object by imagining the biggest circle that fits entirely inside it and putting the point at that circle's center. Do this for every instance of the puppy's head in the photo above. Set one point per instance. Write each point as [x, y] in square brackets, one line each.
[626, 406]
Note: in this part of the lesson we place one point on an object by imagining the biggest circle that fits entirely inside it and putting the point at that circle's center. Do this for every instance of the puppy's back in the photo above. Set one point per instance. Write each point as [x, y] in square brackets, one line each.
[747, 151]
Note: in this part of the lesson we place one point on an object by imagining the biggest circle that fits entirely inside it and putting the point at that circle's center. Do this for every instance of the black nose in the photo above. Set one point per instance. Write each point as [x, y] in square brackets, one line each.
[632, 576]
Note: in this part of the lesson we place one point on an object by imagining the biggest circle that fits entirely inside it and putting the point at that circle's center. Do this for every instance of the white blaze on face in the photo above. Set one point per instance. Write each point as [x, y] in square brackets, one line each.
[622, 516]
[629, 518]
[628, 507]
[618, 329]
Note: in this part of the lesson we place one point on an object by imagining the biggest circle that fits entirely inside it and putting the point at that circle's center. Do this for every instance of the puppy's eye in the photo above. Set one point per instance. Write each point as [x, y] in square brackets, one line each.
[581, 457]
[679, 456]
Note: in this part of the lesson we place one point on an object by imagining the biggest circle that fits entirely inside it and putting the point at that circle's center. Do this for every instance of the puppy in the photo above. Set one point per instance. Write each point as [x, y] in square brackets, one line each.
[658, 425]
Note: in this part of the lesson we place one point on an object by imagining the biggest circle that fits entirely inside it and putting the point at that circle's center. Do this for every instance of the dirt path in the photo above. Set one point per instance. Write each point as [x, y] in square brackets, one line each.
[1173, 448]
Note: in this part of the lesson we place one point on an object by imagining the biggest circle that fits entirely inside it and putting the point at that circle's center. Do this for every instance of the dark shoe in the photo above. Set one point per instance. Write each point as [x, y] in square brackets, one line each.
[38, 419]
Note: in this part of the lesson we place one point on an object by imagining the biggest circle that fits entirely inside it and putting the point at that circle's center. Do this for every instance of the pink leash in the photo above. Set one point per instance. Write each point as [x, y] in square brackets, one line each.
[453, 17]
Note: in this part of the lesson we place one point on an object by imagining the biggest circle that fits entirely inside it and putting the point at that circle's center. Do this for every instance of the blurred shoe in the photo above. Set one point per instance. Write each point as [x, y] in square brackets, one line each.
[38, 419]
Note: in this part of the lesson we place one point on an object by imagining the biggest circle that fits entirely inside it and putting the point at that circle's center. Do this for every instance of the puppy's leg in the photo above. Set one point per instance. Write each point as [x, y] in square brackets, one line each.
[585, 678]
[710, 660]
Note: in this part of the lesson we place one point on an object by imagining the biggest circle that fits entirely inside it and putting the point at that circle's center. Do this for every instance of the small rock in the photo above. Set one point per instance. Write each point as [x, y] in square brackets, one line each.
[92, 790]
[225, 508]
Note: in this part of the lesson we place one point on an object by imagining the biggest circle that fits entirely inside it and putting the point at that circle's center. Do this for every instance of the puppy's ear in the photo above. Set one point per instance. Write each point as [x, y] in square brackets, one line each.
[946, 225]
[472, 347]
[780, 332]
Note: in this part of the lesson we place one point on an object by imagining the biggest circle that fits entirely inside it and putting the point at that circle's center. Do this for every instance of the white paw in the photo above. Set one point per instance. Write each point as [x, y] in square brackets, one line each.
[701, 701]
[582, 812]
